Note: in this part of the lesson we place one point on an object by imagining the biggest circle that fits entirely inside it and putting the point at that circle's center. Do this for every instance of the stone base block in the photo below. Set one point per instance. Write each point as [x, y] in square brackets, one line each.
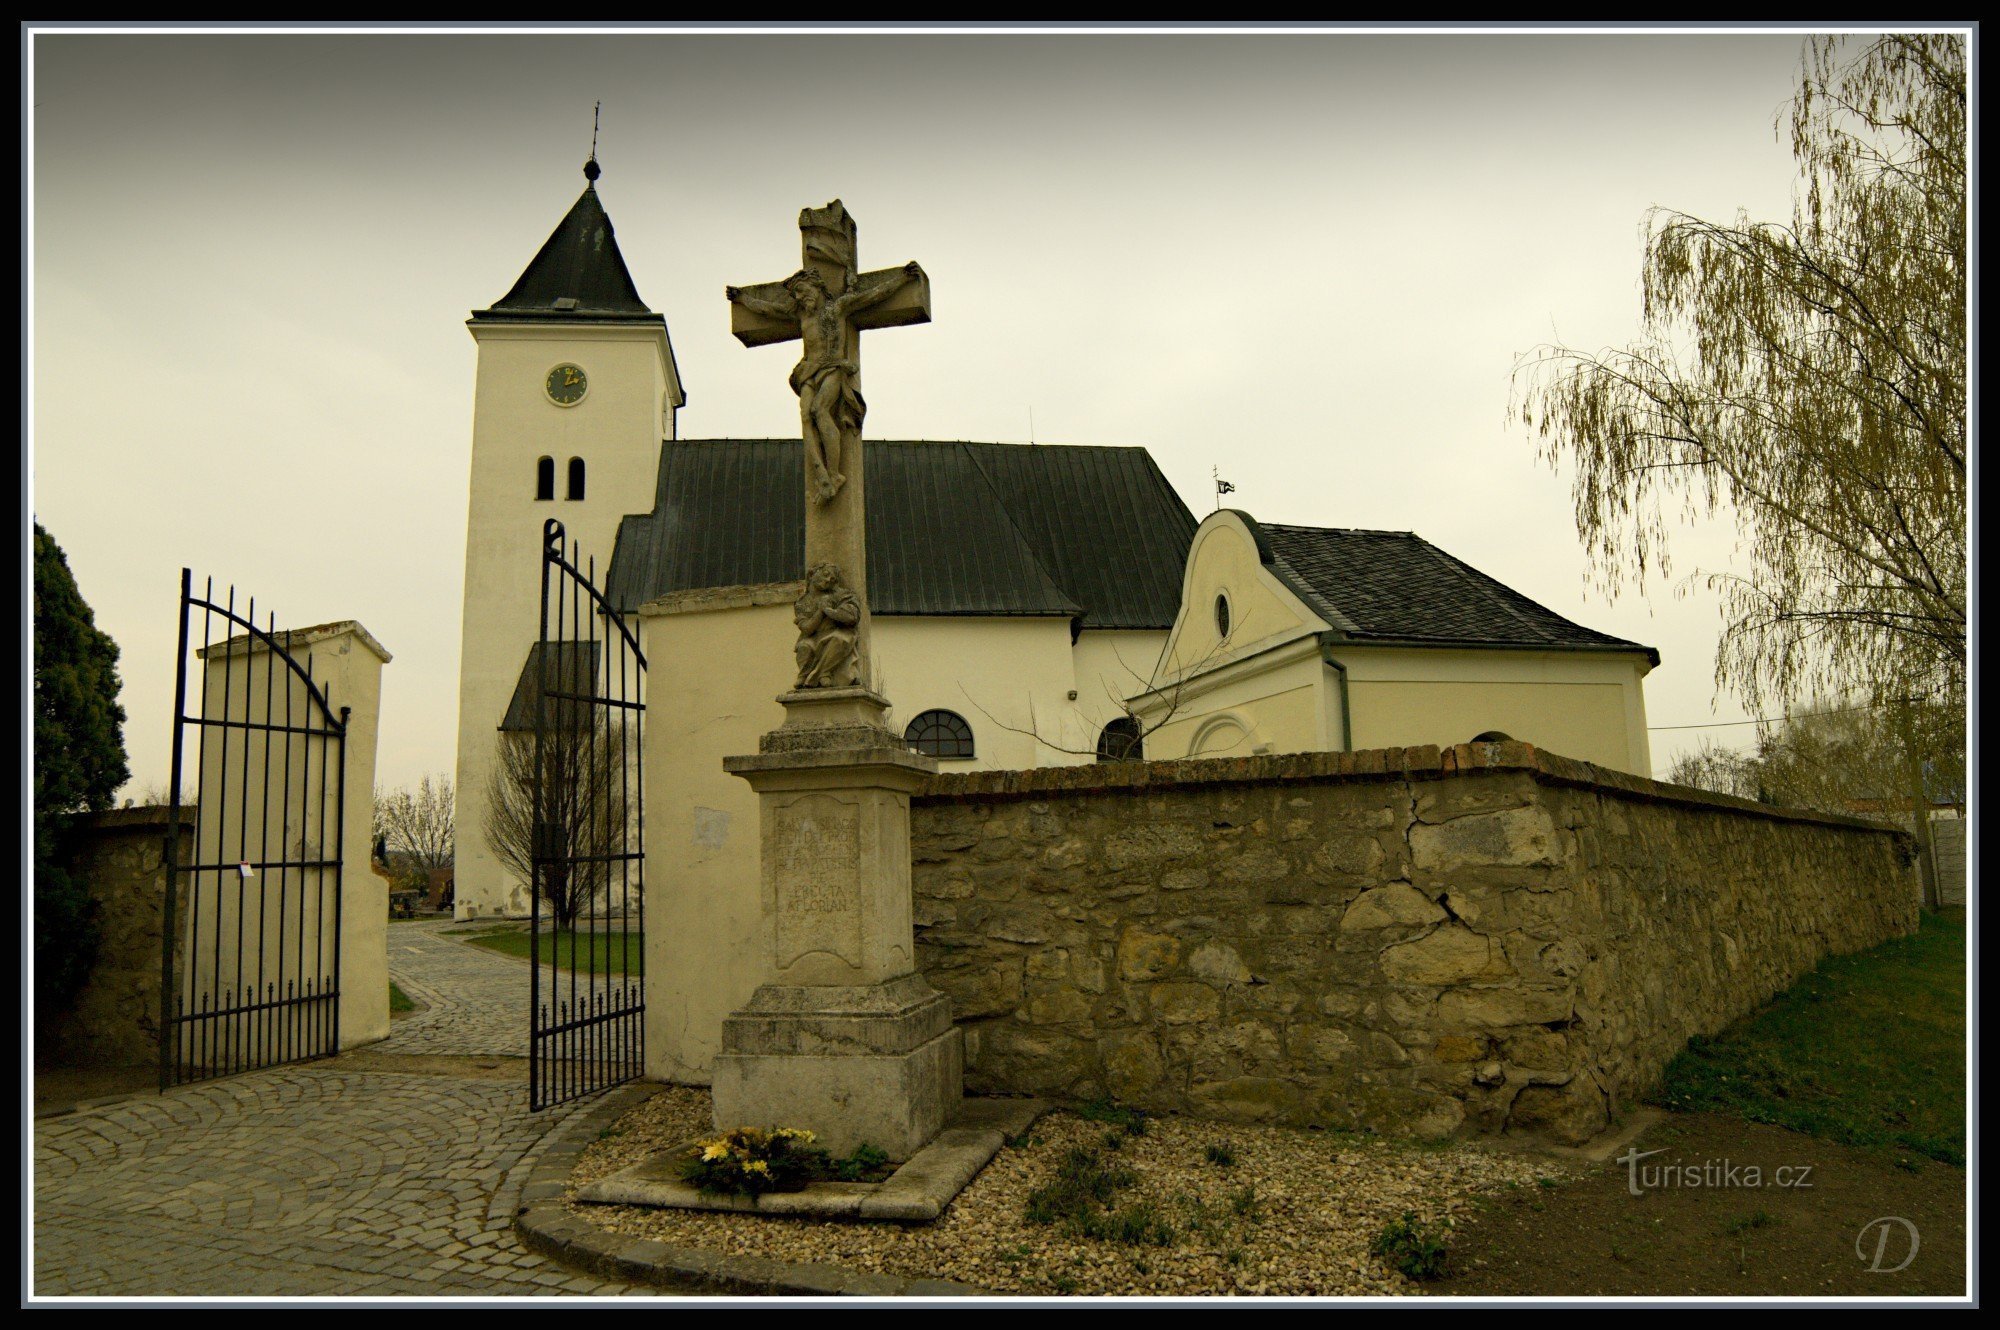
[878, 1065]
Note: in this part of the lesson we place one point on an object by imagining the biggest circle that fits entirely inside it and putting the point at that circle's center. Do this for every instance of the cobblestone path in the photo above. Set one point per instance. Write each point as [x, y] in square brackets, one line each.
[330, 1177]
[475, 1000]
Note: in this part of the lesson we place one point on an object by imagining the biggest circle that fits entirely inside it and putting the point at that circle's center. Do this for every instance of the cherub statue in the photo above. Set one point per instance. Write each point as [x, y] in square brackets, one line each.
[827, 613]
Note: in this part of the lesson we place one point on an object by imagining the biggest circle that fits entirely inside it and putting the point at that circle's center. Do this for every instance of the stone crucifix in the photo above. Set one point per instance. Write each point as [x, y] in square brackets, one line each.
[826, 305]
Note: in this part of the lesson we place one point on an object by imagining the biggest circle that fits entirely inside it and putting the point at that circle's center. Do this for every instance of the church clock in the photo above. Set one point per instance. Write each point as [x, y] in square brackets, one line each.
[566, 385]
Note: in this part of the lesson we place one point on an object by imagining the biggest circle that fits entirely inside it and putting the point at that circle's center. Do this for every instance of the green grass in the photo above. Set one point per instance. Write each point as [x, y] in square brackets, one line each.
[613, 952]
[1867, 1050]
[399, 1001]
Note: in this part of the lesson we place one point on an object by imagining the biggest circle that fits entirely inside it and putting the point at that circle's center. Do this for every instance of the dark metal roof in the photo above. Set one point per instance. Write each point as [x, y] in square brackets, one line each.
[1397, 586]
[572, 675]
[1094, 534]
[1103, 521]
[579, 274]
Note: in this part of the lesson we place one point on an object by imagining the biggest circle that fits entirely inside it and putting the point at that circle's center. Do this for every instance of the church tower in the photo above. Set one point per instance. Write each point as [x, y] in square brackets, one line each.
[576, 387]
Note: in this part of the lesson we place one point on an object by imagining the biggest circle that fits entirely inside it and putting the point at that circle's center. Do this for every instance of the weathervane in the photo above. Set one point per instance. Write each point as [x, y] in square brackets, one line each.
[591, 170]
[1222, 486]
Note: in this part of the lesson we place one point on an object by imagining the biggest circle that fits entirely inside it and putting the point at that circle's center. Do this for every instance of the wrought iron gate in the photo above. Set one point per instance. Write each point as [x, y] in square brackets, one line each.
[586, 792]
[250, 929]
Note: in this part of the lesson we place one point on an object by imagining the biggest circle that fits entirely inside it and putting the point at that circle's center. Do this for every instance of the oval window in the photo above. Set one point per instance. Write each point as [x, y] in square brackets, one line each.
[1222, 616]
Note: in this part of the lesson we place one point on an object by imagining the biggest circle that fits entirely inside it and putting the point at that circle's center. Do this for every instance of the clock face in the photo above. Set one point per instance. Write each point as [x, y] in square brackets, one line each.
[566, 385]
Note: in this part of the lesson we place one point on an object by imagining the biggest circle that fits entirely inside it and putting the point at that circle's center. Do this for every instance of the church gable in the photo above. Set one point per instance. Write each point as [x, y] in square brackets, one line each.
[1232, 604]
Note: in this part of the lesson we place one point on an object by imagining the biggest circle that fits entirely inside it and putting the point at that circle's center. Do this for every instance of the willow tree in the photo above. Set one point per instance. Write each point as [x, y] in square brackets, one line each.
[1809, 377]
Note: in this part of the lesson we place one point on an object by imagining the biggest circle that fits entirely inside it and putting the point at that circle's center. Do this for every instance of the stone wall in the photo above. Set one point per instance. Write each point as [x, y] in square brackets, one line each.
[1484, 938]
[120, 857]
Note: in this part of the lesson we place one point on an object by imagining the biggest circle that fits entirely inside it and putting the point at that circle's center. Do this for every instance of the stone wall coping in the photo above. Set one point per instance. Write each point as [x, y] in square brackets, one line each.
[153, 817]
[295, 641]
[700, 599]
[1368, 765]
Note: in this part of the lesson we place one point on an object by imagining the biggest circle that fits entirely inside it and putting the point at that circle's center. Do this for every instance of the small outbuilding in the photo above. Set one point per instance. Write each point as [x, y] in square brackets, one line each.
[1299, 638]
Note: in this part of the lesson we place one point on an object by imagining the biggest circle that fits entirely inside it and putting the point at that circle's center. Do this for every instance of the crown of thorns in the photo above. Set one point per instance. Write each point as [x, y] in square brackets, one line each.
[802, 276]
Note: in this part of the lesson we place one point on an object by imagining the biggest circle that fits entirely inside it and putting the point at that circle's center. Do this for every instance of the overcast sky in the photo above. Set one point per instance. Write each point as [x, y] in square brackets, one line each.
[1309, 260]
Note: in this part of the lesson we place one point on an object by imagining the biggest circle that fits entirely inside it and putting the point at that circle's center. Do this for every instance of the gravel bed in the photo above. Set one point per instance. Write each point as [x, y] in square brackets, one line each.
[1293, 1214]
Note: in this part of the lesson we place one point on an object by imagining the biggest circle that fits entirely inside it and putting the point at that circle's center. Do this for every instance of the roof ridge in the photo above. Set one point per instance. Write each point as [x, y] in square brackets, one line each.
[1343, 530]
[1014, 524]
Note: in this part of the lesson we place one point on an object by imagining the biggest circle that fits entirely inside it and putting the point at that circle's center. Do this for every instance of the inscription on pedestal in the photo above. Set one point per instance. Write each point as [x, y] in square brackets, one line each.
[818, 879]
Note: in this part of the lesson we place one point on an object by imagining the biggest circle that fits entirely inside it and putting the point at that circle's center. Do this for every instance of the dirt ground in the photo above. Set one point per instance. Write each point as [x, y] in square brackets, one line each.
[1696, 1229]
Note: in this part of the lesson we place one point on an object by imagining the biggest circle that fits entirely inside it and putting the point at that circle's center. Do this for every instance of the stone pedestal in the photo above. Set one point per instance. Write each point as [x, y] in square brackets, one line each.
[844, 1038]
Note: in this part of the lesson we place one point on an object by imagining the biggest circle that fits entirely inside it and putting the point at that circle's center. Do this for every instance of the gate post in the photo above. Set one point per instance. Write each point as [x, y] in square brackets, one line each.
[346, 663]
[350, 661]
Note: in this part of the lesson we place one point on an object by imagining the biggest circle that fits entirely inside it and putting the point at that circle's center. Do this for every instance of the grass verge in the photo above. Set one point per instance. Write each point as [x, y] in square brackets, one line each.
[605, 953]
[1867, 1050]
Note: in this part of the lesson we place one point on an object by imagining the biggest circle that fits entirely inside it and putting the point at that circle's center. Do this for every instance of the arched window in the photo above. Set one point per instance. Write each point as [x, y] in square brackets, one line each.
[940, 734]
[1121, 741]
[576, 477]
[1222, 616]
[545, 478]
[1492, 737]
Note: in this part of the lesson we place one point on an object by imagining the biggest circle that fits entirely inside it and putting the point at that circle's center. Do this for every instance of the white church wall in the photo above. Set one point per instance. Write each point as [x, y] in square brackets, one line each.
[1111, 664]
[1010, 679]
[717, 661]
[616, 430]
[1276, 701]
[1587, 705]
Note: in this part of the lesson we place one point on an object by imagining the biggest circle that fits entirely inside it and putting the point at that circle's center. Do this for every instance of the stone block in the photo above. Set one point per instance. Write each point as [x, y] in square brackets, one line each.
[1569, 1114]
[1497, 1008]
[1184, 1003]
[1247, 1099]
[1132, 1066]
[1398, 905]
[1144, 955]
[896, 1102]
[1218, 963]
[1514, 838]
[1451, 954]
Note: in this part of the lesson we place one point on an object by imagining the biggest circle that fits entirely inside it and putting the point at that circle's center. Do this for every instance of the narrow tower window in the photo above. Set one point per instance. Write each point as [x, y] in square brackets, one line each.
[576, 477]
[545, 478]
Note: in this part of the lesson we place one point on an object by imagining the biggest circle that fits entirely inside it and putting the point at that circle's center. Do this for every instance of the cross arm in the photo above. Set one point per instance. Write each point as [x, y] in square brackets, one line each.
[760, 315]
[892, 298]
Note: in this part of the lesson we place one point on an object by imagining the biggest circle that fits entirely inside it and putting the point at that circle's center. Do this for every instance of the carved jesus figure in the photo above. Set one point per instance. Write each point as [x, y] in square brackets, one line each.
[826, 613]
[827, 382]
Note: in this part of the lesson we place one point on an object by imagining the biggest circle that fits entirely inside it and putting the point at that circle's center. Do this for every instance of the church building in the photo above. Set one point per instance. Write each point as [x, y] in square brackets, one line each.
[1032, 605]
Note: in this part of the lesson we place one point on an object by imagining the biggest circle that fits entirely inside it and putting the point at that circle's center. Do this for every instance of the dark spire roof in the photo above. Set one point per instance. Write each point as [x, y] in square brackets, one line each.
[579, 272]
[1395, 586]
[1088, 534]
